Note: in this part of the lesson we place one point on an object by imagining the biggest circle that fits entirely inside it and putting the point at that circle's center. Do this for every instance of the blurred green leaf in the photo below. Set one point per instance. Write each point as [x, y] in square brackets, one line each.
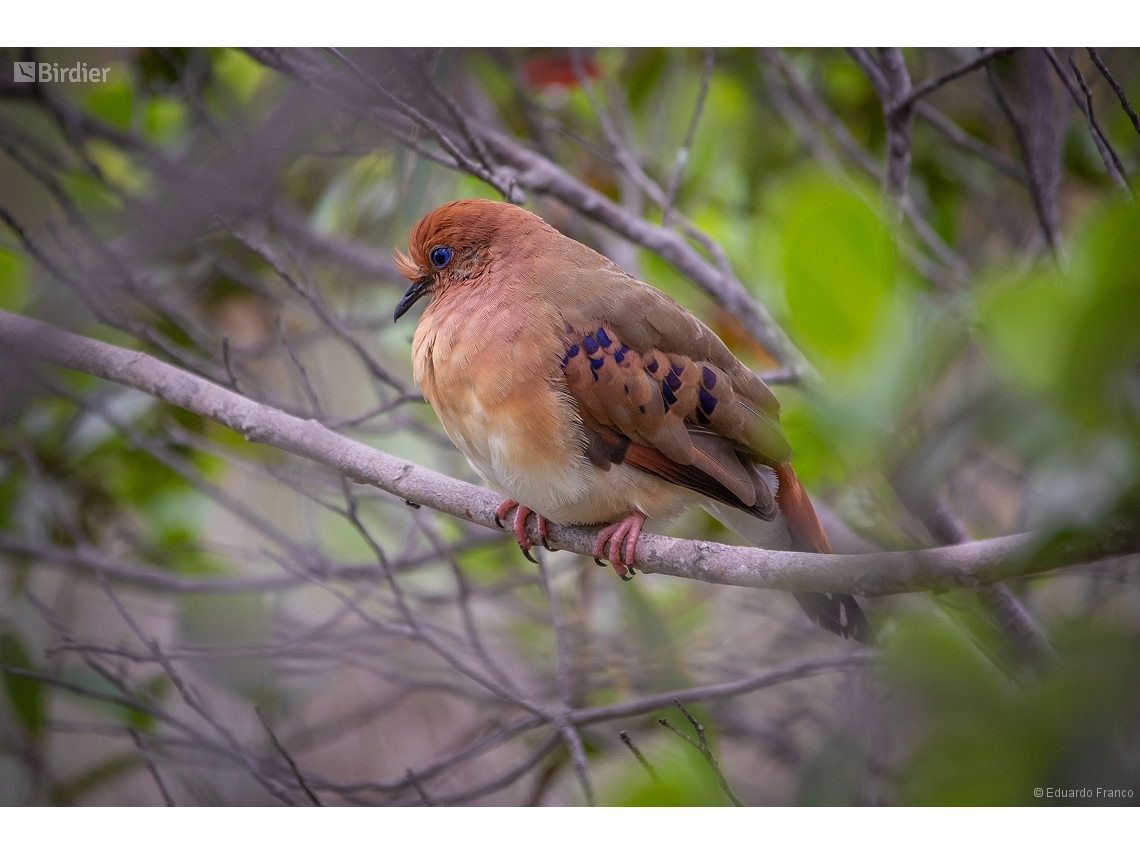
[25, 694]
[990, 740]
[362, 195]
[644, 73]
[112, 101]
[66, 792]
[838, 264]
[239, 71]
[88, 191]
[683, 778]
[1067, 339]
[13, 273]
[1073, 335]
[163, 118]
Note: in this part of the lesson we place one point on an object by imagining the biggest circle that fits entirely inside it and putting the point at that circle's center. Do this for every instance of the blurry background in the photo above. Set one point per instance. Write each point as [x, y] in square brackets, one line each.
[189, 618]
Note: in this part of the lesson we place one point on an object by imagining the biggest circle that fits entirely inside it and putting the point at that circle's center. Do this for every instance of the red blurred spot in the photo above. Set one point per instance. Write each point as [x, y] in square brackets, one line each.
[555, 70]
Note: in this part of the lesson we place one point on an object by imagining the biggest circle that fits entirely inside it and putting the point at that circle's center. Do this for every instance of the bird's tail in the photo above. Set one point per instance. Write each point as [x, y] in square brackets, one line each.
[838, 613]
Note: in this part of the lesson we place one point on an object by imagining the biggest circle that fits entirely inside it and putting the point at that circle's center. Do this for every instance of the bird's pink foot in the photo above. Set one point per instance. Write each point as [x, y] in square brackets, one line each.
[621, 537]
[519, 525]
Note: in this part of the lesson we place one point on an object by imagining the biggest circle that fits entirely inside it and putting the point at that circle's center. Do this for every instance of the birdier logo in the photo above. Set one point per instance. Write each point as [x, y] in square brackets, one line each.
[50, 72]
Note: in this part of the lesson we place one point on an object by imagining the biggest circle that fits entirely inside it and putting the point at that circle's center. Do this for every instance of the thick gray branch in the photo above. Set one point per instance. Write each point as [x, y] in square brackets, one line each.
[968, 565]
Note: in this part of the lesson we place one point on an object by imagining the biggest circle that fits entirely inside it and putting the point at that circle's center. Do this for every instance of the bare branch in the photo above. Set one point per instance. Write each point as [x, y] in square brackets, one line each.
[541, 175]
[1116, 87]
[702, 746]
[997, 159]
[288, 759]
[424, 797]
[733, 688]
[898, 113]
[1120, 177]
[682, 157]
[1032, 168]
[927, 86]
[565, 727]
[504, 185]
[815, 106]
[144, 749]
[1107, 152]
[966, 566]
[628, 743]
[936, 515]
[153, 578]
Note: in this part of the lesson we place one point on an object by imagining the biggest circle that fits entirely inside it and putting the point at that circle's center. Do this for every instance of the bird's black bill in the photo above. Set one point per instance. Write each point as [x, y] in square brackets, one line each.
[416, 290]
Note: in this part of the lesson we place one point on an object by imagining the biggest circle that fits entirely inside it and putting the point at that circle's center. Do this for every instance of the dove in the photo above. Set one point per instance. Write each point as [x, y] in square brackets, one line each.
[587, 397]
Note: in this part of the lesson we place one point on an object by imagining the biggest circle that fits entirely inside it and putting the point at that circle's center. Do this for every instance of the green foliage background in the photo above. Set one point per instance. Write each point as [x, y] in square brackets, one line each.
[1016, 393]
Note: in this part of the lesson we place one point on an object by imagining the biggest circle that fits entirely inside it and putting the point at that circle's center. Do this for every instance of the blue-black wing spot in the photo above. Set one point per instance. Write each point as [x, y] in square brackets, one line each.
[572, 351]
[590, 344]
[707, 401]
[619, 357]
[668, 395]
[595, 363]
[603, 339]
[652, 367]
[708, 377]
[673, 381]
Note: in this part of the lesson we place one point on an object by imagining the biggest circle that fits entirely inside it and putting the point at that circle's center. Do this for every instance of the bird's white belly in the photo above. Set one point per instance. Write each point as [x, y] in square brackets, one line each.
[572, 491]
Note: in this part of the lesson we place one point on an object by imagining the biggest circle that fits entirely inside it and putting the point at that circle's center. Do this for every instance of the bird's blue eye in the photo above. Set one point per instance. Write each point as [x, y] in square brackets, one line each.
[440, 256]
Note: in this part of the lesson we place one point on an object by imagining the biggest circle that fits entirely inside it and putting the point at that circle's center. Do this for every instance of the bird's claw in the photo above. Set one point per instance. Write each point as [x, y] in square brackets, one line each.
[519, 526]
[505, 507]
[618, 543]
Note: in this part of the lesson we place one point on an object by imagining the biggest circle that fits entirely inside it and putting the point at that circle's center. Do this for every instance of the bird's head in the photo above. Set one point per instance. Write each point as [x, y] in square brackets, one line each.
[450, 246]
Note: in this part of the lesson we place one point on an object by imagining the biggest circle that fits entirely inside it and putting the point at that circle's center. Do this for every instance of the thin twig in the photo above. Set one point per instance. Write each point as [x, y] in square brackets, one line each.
[287, 757]
[927, 86]
[997, 159]
[1089, 112]
[625, 738]
[1116, 87]
[229, 367]
[565, 727]
[1107, 152]
[1034, 183]
[683, 152]
[702, 745]
[815, 107]
[306, 384]
[898, 114]
[144, 749]
[506, 186]
[420, 791]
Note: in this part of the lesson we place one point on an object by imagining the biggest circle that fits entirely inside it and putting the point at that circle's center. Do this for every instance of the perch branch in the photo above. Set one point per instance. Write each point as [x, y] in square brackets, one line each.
[969, 565]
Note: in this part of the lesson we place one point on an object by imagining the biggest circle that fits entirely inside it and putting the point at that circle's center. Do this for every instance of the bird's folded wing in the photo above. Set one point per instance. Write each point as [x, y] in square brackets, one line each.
[675, 414]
